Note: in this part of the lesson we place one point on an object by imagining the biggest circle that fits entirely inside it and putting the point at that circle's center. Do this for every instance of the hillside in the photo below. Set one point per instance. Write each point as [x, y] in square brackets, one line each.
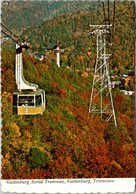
[72, 31]
[17, 15]
[65, 142]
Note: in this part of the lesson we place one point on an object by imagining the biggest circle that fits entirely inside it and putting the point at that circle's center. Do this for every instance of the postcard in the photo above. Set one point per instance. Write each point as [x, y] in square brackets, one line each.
[68, 96]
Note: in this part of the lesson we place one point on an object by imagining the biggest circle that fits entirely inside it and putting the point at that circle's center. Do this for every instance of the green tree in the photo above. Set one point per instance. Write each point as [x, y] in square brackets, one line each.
[37, 158]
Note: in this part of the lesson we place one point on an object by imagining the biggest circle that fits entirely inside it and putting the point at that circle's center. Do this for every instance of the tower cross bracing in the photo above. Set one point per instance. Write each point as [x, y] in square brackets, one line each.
[101, 101]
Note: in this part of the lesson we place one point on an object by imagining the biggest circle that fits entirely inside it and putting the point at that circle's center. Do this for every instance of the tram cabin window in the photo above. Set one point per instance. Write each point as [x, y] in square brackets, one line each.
[26, 101]
[14, 100]
[38, 100]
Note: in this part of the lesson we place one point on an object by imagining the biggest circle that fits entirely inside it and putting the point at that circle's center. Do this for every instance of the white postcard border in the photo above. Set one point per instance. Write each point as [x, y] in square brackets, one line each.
[102, 185]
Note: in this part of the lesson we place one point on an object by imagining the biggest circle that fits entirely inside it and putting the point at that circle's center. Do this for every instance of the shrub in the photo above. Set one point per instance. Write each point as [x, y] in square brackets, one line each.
[37, 158]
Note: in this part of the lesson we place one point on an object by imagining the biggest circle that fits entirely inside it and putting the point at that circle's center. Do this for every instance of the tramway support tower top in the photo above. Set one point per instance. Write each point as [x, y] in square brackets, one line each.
[100, 29]
[58, 51]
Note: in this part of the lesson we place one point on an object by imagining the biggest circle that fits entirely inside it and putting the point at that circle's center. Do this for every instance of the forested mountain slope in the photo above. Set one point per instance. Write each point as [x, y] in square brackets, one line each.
[72, 31]
[20, 14]
[65, 142]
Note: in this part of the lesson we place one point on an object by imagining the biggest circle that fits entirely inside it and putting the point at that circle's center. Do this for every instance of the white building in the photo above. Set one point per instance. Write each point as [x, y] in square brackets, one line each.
[128, 92]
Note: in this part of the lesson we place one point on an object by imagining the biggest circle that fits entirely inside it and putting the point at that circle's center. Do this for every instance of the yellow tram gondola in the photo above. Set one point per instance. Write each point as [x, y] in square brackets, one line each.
[29, 103]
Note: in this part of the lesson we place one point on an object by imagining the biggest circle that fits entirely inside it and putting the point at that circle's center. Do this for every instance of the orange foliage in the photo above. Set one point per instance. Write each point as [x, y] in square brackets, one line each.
[55, 88]
[4, 69]
[89, 53]
[25, 58]
[38, 173]
[61, 158]
[64, 75]
[124, 155]
[86, 95]
[106, 100]
[96, 100]
[62, 93]
[83, 84]
[98, 162]
[70, 87]
[9, 98]
[118, 99]
[45, 67]
[33, 60]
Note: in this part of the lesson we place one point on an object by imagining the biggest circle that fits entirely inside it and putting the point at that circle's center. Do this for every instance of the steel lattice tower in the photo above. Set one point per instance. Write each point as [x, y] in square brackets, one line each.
[101, 101]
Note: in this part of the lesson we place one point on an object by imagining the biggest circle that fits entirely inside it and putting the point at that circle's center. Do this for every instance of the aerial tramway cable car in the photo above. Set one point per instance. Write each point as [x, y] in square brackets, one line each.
[29, 103]
[28, 99]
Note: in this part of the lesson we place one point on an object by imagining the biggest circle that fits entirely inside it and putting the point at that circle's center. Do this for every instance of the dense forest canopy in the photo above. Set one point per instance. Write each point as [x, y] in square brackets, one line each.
[65, 142]
[72, 31]
[28, 13]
